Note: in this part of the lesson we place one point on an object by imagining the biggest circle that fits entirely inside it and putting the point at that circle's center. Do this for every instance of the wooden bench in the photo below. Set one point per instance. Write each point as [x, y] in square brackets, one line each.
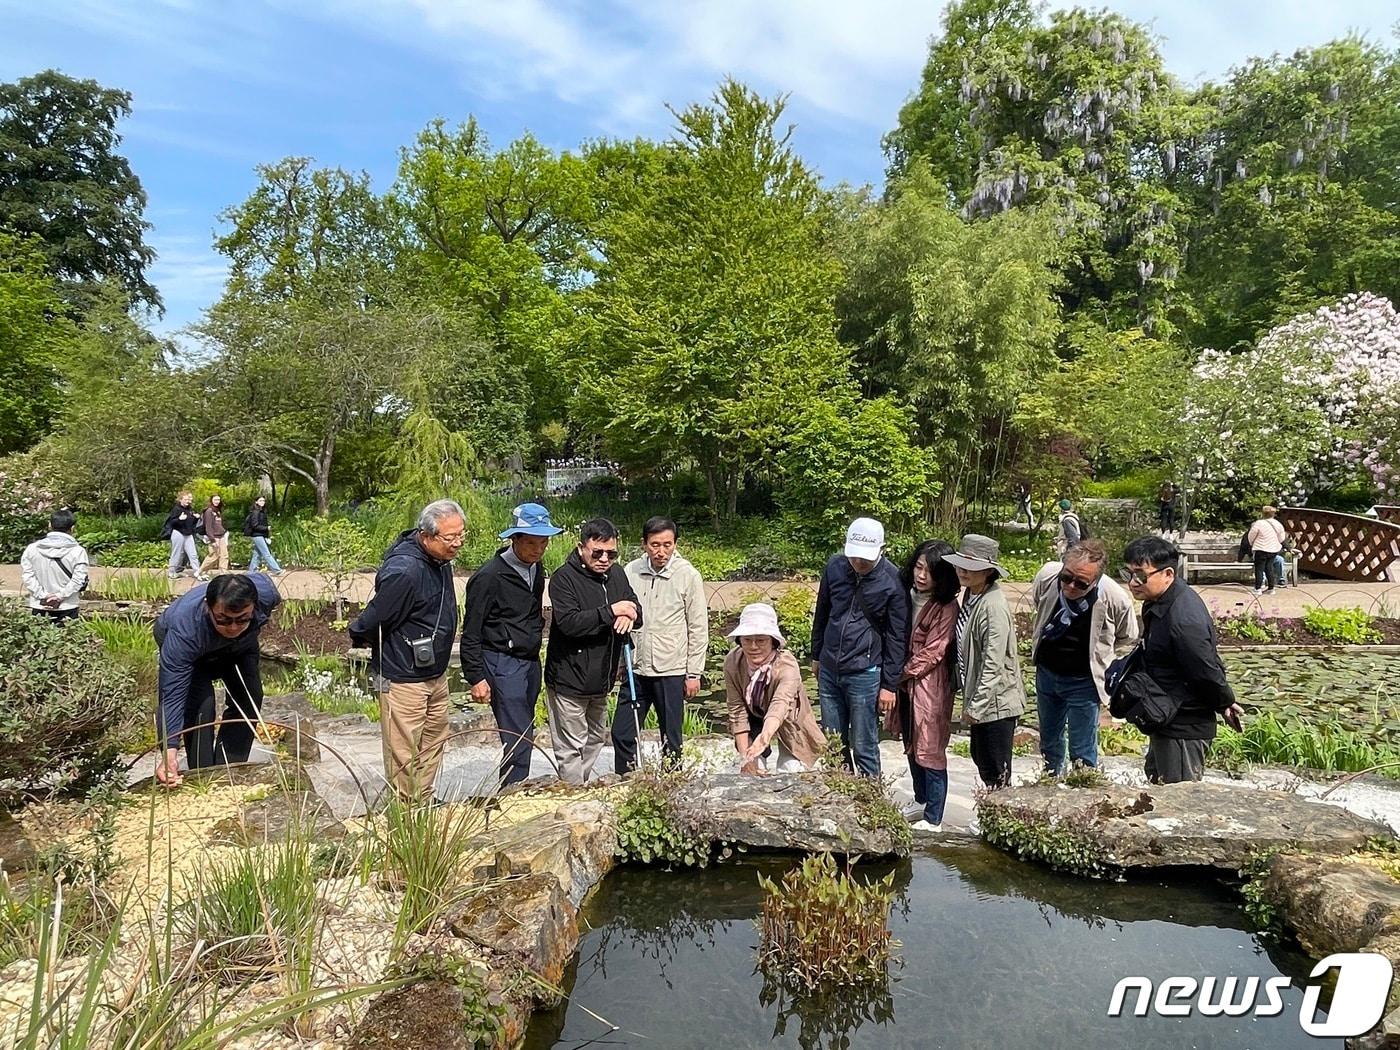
[1206, 553]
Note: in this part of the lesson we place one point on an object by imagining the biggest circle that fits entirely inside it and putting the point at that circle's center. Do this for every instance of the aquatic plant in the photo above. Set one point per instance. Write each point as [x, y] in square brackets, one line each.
[1328, 746]
[1247, 626]
[820, 926]
[1066, 843]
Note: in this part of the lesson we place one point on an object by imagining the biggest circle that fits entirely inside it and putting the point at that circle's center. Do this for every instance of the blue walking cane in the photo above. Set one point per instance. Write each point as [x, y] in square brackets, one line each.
[632, 687]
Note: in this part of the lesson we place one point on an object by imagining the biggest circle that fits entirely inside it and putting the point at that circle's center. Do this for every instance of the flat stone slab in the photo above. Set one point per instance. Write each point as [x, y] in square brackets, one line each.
[1113, 828]
[790, 811]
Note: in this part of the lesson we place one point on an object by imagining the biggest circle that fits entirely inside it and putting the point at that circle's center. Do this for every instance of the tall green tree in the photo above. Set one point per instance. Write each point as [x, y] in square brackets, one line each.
[1300, 190]
[33, 335]
[63, 181]
[312, 337]
[1077, 113]
[710, 322]
[499, 233]
[958, 319]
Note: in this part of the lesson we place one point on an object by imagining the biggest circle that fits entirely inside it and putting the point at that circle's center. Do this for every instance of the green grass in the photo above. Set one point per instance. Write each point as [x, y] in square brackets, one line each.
[257, 913]
[131, 644]
[1329, 746]
[135, 586]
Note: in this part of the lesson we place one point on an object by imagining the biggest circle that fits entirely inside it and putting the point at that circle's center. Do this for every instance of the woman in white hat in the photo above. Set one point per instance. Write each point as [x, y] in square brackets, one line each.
[989, 669]
[767, 701]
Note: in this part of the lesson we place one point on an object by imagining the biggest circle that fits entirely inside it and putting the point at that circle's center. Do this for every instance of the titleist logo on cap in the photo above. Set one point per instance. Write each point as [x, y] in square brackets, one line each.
[864, 537]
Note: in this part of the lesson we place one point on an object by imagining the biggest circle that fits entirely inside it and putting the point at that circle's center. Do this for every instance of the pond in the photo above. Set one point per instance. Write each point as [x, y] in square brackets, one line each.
[994, 953]
[1358, 688]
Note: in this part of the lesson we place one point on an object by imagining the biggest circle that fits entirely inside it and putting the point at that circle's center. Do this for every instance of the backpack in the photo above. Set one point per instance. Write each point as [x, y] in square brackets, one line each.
[1083, 529]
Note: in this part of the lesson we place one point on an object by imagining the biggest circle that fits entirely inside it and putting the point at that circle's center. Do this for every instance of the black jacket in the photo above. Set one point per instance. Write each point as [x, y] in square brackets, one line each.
[173, 523]
[504, 615]
[583, 653]
[844, 641]
[1180, 655]
[255, 524]
[413, 598]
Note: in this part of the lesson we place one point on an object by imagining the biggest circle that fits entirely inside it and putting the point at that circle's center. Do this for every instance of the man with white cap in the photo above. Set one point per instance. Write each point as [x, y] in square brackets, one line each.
[860, 634]
[501, 632]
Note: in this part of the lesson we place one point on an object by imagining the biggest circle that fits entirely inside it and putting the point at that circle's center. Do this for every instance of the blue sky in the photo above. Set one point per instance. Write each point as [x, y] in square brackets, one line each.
[220, 87]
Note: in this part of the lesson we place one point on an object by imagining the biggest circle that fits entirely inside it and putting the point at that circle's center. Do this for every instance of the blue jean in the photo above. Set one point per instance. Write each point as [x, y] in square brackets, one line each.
[261, 552]
[1071, 699]
[850, 707]
[1280, 569]
[930, 790]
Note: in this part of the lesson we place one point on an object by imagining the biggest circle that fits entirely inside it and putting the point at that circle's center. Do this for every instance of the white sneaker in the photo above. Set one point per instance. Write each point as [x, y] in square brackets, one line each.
[923, 825]
[973, 827]
[1257, 590]
[200, 576]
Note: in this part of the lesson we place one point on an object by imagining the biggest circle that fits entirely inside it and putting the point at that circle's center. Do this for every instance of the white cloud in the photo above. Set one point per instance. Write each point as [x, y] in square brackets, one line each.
[189, 274]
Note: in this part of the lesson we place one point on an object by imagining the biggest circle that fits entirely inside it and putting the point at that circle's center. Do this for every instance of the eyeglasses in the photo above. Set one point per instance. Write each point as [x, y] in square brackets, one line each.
[1128, 576]
[1068, 579]
[449, 540]
[231, 621]
[600, 555]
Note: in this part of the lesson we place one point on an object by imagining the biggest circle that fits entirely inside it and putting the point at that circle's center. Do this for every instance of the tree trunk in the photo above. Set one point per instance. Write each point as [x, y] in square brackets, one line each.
[135, 496]
[712, 486]
[732, 501]
[323, 475]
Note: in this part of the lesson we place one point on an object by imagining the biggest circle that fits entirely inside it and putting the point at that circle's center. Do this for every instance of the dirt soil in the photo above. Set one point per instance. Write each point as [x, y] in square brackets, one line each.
[313, 630]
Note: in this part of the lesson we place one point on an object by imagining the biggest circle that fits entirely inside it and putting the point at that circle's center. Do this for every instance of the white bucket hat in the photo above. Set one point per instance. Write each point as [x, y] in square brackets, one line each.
[758, 620]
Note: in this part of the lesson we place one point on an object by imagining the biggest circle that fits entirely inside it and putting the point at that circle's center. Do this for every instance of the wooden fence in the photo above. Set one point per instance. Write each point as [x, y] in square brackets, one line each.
[1344, 546]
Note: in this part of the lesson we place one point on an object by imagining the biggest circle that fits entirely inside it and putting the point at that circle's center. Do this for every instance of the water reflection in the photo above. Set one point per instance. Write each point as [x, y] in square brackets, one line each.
[993, 953]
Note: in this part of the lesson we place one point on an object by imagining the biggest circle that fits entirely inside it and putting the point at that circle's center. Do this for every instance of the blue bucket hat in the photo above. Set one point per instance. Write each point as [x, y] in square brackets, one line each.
[530, 520]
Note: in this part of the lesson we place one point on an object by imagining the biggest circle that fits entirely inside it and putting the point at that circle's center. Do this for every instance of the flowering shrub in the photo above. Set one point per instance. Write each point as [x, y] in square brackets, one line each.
[25, 505]
[1310, 406]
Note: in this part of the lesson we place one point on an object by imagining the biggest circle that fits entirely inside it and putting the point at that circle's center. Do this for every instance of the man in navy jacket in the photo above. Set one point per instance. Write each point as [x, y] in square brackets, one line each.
[860, 637]
[209, 632]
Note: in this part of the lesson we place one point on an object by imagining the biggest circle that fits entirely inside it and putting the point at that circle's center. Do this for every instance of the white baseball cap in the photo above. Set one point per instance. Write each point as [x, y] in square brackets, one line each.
[865, 539]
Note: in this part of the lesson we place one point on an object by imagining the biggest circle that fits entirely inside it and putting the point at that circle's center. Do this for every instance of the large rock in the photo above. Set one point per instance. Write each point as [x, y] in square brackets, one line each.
[793, 811]
[575, 844]
[17, 853]
[278, 815]
[529, 919]
[1334, 904]
[428, 1015]
[1112, 828]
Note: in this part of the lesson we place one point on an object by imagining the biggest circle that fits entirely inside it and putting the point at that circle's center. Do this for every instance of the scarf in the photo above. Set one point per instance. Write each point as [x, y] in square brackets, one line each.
[758, 685]
[1065, 614]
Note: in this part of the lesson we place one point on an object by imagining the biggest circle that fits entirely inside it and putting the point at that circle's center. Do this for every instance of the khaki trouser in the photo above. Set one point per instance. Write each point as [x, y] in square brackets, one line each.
[218, 555]
[578, 725]
[413, 724]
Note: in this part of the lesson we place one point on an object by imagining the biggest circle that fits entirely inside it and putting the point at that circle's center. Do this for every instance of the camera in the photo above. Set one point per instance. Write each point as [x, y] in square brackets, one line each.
[423, 651]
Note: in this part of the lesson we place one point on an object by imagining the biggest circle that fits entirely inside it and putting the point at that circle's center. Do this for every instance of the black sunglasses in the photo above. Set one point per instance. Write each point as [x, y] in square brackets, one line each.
[1068, 579]
[600, 555]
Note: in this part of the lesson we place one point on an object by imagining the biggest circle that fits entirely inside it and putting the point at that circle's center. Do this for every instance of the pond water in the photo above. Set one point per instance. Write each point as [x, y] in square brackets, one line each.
[1355, 687]
[994, 953]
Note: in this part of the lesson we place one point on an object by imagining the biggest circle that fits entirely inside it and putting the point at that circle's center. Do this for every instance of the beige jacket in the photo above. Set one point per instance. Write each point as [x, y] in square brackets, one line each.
[675, 629]
[785, 706]
[1112, 622]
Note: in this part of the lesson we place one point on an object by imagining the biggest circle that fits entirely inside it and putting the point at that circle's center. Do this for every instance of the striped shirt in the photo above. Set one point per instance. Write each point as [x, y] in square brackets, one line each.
[960, 629]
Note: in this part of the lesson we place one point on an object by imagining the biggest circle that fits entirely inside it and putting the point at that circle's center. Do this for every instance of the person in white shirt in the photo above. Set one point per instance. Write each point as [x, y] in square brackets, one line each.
[1266, 538]
[55, 570]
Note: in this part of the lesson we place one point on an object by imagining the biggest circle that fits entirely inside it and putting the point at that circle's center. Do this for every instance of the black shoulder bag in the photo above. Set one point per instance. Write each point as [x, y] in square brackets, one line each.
[1134, 696]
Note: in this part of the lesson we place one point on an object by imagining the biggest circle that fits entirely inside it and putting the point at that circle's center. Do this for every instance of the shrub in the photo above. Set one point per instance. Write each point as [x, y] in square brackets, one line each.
[65, 705]
[1341, 626]
[24, 510]
[649, 828]
[136, 554]
[820, 926]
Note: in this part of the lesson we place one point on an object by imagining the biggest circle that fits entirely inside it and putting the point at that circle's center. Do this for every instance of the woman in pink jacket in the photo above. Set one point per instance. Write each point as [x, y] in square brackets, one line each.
[926, 688]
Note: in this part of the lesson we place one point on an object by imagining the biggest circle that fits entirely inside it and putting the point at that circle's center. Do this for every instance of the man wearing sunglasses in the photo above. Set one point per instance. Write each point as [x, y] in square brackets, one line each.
[592, 612]
[1083, 621]
[210, 632]
[1180, 655]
